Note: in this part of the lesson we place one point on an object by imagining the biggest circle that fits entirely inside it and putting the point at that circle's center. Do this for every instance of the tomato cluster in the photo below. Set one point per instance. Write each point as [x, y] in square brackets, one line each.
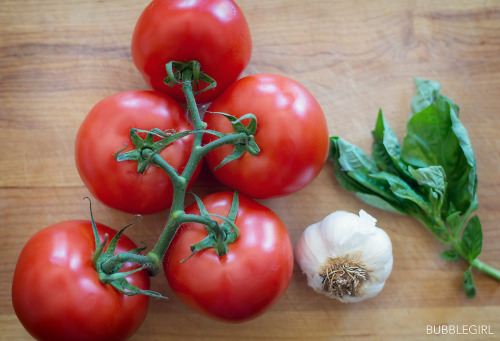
[292, 138]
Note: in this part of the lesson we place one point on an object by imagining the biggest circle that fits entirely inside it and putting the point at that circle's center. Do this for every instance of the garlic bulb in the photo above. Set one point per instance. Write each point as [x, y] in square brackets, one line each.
[345, 256]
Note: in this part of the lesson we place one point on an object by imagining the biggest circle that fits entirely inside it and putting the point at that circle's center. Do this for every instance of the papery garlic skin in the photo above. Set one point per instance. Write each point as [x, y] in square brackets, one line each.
[346, 237]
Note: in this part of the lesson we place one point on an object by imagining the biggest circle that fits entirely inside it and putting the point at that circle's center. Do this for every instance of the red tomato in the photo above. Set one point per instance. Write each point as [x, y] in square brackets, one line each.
[105, 131]
[291, 132]
[57, 294]
[246, 282]
[213, 32]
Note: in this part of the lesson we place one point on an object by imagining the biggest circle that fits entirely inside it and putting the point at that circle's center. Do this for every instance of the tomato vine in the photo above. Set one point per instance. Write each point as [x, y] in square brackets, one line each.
[146, 153]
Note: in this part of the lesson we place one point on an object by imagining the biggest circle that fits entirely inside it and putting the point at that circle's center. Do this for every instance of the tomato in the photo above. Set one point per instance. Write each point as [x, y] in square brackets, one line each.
[105, 131]
[213, 32]
[292, 134]
[247, 281]
[57, 294]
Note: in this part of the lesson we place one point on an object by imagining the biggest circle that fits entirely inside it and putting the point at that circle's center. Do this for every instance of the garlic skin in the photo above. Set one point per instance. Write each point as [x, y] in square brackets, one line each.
[345, 256]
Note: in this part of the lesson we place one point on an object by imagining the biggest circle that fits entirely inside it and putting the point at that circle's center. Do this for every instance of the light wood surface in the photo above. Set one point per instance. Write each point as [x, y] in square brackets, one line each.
[58, 58]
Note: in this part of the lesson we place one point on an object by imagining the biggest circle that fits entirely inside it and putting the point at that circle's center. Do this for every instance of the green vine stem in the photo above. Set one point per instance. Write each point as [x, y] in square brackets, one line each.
[177, 216]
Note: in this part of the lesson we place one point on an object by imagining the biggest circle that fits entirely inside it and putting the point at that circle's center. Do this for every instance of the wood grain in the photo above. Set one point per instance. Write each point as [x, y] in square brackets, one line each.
[58, 58]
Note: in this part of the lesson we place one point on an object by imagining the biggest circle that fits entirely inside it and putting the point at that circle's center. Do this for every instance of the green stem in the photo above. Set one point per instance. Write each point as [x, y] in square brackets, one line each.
[109, 265]
[476, 263]
[228, 139]
[489, 270]
[187, 88]
[430, 226]
[453, 241]
[173, 222]
[157, 161]
[196, 156]
[177, 215]
[193, 218]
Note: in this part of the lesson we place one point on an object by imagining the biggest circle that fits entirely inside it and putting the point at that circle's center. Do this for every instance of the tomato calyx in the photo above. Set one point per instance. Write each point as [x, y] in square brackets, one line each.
[108, 264]
[147, 148]
[220, 236]
[247, 143]
[190, 72]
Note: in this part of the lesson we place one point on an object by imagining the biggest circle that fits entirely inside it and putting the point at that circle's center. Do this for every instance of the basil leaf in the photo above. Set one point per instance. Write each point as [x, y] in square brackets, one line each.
[453, 219]
[431, 177]
[472, 239]
[468, 284]
[432, 181]
[386, 147]
[426, 94]
[466, 146]
[450, 255]
[353, 170]
[431, 141]
[403, 191]
[441, 140]
[340, 172]
[386, 150]
[353, 158]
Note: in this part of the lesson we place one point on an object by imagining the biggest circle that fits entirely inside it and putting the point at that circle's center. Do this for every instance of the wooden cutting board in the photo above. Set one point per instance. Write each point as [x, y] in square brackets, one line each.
[59, 58]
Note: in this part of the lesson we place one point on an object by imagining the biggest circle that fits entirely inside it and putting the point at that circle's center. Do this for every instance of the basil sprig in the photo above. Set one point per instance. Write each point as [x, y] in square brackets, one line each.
[431, 177]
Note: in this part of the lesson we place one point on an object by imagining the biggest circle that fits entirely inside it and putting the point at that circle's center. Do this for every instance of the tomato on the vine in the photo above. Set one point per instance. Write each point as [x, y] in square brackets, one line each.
[58, 296]
[249, 279]
[292, 134]
[106, 130]
[213, 32]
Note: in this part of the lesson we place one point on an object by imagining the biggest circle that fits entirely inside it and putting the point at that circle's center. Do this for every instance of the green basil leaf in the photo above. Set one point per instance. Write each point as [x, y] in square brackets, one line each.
[466, 146]
[453, 219]
[403, 191]
[386, 146]
[353, 169]
[450, 255]
[426, 94]
[386, 151]
[431, 141]
[431, 177]
[472, 238]
[468, 284]
[340, 174]
[376, 186]
[353, 158]
[432, 181]
[344, 164]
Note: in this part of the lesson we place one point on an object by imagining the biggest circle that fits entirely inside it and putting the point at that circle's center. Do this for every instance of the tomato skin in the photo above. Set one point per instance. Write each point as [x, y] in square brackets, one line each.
[292, 134]
[246, 282]
[213, 32]
[106, 130]
[57, 294]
